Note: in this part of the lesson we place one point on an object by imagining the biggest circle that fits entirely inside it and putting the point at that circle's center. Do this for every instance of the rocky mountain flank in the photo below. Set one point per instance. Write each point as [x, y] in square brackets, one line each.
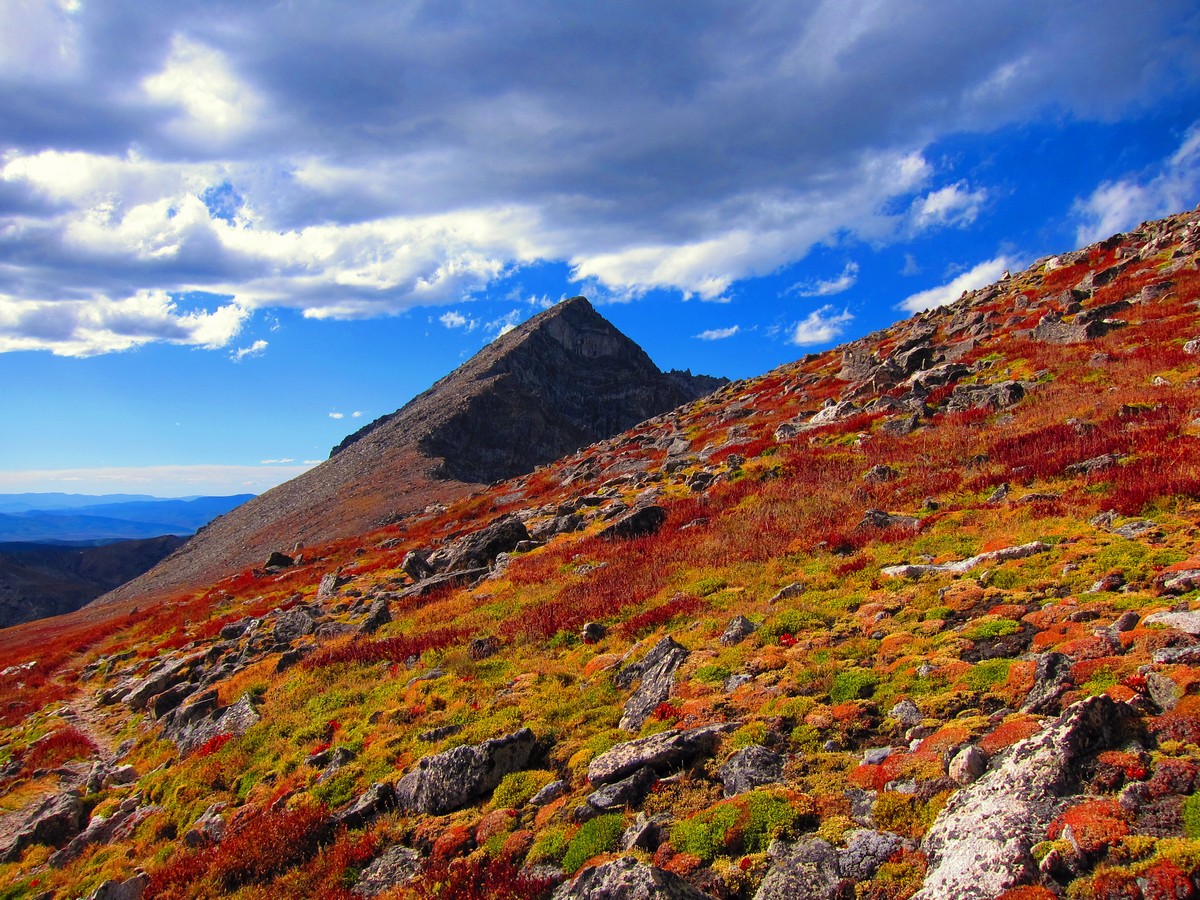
[564, 379]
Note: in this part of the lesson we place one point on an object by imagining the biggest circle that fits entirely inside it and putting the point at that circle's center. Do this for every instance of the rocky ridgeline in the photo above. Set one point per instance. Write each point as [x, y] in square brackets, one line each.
[558, 382]
[1076, 764]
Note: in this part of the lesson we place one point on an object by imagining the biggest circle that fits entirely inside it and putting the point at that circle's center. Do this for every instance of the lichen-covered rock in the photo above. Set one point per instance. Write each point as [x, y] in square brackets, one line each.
[662, 752]
[394, 866]
[627, 792]
[292, 624]
[378, 616]
[657, 674]
[968, 765]
[808, 869]
[639, 522]
[1051, 679]
[749, 768]
[1187, 622]
[378, 799]
[129, 889]
[236, 719]
[738, 629]
[478, 550]
[980, 843]
[104, 830]
[628, 879]
[53, 821]
[448, 781]
[865, 852]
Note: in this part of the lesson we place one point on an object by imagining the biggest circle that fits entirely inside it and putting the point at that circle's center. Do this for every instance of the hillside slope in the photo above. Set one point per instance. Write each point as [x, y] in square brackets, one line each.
[559, 381]
[916, 617]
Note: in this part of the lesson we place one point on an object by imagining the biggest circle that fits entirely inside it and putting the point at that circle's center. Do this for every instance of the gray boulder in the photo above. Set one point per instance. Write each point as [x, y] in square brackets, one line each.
[104, 830]
[416, 565]
[378, 799]
[292, 624]
[628, 792]
[808, 870]
[980, 843]
[738, 629]
[448, 781]
[236, 719]
[1051, 679]
[53, 820]
[477, 550]
[330, 584]
[994, 396]
[628, 879]
[642, 521]
[657, 673]
[129, 889]
[395, 866]
[662, 752]
[749, 768]
[378, 616]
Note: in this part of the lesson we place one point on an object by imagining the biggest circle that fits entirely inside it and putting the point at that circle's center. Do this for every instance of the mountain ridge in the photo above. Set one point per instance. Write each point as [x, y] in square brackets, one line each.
[562, 379]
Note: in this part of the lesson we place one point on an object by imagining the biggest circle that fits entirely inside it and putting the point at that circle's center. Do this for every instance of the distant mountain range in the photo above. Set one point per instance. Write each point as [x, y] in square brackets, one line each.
[53, 518]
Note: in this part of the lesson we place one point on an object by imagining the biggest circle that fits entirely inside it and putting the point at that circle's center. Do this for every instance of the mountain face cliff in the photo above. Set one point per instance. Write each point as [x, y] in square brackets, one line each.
[564, 379]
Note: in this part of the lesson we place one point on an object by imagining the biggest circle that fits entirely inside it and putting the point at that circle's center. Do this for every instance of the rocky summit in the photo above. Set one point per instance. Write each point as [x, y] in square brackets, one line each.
[564, 379]
[918, 617]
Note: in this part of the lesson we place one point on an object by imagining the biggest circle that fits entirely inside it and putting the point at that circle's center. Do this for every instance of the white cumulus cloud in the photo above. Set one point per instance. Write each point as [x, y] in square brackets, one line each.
[955, 205]
[198, 80]
[719, 334]
[256, 349]
[337, 415]
[831, 286]
[821, 326]
[1120, 205]
[977, 276]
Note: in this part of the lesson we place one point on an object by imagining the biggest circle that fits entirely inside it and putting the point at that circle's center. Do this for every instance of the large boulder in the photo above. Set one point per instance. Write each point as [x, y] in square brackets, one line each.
[53, 821]
[750, 767]
[980, 844]
[628, 879]
[641, 521]
[448, 781]
[478, 550]
[657, 674]
[662, 752]
[814, 869]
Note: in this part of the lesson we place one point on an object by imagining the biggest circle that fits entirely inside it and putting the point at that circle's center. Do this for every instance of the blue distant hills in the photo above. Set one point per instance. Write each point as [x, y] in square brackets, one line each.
[88, 519]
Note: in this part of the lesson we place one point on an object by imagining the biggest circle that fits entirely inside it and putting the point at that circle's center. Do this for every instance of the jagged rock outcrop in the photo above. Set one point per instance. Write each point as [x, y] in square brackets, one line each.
[628, 879]
[980, 843]
[448, 781]
[657, 677]
[662, 752]
[562, 380]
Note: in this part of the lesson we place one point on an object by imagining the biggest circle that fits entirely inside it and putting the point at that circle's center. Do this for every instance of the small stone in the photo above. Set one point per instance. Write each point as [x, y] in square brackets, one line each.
[968, 765]
[1127, 621]
[906, 713]
[738, 629]
[593, 632]
[875, 755]
[549, 793]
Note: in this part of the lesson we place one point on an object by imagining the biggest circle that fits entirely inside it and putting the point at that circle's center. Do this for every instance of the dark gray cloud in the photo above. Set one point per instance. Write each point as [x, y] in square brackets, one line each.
[384, 155]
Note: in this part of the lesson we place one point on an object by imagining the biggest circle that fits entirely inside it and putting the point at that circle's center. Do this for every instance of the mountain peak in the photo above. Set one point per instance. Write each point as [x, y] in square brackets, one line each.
[562, 380]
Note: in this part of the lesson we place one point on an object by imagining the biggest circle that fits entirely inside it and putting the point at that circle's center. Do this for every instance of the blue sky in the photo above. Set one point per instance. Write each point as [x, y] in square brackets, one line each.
[232, 233]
